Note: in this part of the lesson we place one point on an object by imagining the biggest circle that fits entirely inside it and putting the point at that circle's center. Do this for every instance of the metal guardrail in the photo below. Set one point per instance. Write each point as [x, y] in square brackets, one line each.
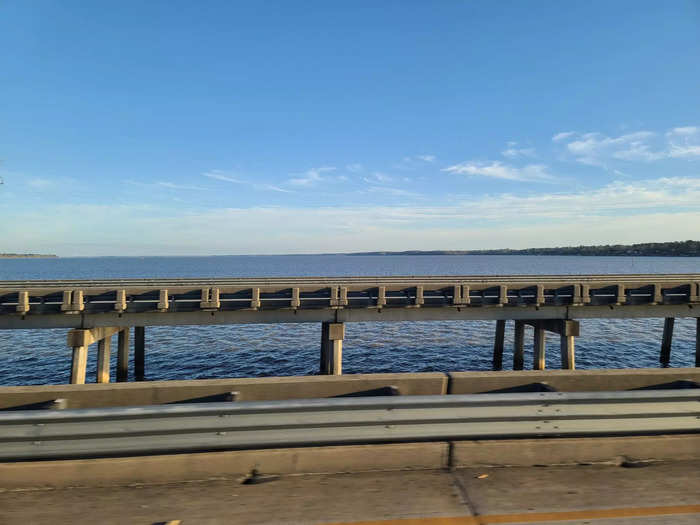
[28, 435]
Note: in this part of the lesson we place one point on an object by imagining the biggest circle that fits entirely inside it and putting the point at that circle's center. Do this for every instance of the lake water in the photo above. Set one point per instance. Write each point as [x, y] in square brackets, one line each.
[199, 352]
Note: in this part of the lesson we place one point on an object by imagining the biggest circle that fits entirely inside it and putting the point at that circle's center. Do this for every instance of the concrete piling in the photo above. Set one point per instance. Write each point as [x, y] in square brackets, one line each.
[518, 345]
[539, 348]
[104, 347]
[123, 355]
[498, 345]
[332, 335]
[568, 353]
[78, 365]
[697, 341]
[667, 339]
[139, 353]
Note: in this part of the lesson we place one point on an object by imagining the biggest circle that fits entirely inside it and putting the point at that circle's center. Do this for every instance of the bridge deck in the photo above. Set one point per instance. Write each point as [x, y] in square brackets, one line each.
[143, 302]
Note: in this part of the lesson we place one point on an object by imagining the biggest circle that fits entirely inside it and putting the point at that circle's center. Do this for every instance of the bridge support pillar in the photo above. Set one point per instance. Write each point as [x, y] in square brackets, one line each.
[697, 341]
[498, 345]
[518, 345]
[123, 356]
[665, 356]
[139, 353]
[79, 340]
[104, 347]
[568, 352]
[332, 335]
[567, 329]
[78, 365]
[539, 348]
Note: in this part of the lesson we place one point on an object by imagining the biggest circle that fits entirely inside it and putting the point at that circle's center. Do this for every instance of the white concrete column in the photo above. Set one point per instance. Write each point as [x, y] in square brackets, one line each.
[104, 347]
[332, 335]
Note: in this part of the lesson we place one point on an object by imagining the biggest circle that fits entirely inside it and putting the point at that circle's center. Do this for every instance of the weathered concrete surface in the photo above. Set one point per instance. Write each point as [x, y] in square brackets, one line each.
[297, 387]
[567, 451]
[355, 458]
[518, 490]
[569, 380]
[660, 493]
[205, 465]
[249, 389]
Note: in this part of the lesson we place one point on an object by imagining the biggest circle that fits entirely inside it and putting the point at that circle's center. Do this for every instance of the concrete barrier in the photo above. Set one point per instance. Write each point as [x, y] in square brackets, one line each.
[237, 465]
[568, 380]
[231, 465]
[567, 451]
[247, 389]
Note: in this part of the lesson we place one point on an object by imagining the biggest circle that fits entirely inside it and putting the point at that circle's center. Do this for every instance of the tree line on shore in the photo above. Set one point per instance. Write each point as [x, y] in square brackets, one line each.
[664, 249]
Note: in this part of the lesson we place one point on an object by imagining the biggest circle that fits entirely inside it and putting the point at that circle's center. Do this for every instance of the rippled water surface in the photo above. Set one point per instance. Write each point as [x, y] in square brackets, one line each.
[197, 352]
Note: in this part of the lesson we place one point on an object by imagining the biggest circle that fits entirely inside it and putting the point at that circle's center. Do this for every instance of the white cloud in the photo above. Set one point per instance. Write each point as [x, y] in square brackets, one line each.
[174, 186]
[311, 177]
[378, 178]
[39, 183]
[511, 152]
[684, 131]
[498, 170]
[563, 135]
[414, 162]
[684, 142]
[648, 210]
[355, 168]
[219, 175]
[597, 149]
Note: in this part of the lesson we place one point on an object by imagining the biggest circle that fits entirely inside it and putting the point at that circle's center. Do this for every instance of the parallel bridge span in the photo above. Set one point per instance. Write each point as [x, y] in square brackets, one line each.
[97, 309]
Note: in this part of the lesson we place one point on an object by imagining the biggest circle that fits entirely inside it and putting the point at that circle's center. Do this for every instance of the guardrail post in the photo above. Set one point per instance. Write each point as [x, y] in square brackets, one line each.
[139, 353]
[518, 346]
[498, 345]
[665, 356]
[332, 335]
[539, 348]
[123, 356]
[104, 347]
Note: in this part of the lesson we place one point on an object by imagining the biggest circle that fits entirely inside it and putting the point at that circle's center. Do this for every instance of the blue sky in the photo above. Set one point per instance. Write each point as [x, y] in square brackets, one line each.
[165, 128]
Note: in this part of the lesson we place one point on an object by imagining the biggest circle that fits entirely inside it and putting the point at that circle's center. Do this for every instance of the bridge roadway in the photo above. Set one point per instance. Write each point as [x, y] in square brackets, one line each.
[98, 309]
[147, 302]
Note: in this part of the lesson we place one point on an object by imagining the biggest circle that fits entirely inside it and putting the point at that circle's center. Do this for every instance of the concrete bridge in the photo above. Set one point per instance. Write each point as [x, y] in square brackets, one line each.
[95, 310]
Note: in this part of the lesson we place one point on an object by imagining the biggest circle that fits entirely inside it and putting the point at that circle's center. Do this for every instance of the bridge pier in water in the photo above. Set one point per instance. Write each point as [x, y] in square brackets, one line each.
[547, 303]
[332, 335]
[566, 329]
[139, 353]
[79, 340]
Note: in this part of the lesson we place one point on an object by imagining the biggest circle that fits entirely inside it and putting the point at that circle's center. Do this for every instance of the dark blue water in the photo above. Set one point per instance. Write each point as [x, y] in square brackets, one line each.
[197, 352]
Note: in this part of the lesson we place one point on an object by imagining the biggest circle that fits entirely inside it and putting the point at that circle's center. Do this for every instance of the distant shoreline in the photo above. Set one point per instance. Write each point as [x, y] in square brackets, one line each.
[658, 249]
[27, 256]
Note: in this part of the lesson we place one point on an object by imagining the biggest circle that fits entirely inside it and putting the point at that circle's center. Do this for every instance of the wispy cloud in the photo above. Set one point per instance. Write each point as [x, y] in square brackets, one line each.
[563, 135]
[499, 170]
[222, 176]
[643, 210]
[512, 152]
[174, 186]
[684, 142]
[597, 149]
[414, 162]
[378, 178]
[394, 192]
[355, 168]
[311, 177]
[219, 175]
